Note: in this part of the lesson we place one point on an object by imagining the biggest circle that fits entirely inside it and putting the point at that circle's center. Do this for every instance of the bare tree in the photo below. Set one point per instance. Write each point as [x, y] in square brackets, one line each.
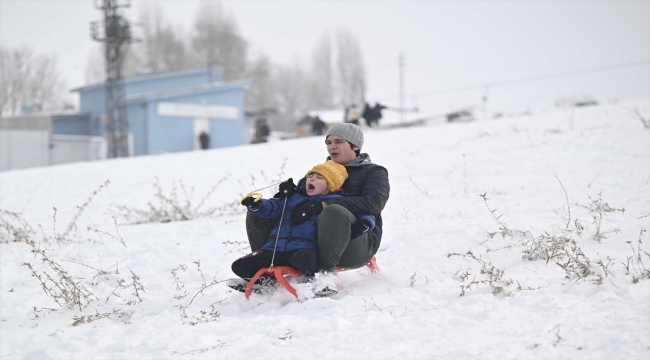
[217, 41]
[260, 94]
[29, 80]
[322, 79]
[15, 71]
[133, 61]
[290, 96]
[351, 72]
[294, 91]
[95, 68]
[163, 47]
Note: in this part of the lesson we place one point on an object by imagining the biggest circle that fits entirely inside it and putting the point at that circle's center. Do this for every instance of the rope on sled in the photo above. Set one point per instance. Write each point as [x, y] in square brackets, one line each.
[278, 235]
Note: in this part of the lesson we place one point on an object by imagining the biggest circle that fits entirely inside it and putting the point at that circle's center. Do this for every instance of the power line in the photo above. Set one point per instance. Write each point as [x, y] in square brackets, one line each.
[531, 79]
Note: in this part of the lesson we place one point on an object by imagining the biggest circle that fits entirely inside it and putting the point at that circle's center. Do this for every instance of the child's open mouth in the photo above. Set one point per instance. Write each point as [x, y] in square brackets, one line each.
[310, 187]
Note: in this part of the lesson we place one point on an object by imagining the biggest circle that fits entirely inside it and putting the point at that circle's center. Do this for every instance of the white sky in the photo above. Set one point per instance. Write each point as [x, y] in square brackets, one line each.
[446, 44]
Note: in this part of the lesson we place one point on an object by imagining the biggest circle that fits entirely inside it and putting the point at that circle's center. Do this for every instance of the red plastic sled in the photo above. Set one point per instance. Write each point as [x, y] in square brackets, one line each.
[279, 272]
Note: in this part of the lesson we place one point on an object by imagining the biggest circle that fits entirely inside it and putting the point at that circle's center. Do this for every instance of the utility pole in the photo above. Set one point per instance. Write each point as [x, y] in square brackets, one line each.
[116, 35]
[485, 100]
[401, 86]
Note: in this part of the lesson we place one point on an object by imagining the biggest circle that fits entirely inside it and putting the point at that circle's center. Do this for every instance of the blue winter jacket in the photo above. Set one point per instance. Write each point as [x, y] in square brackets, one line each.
[295, 236]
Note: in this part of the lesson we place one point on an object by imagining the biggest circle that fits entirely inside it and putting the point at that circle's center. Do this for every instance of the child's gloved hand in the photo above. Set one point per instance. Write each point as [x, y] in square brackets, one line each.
[252, 201]
[359, 227]
[304, 211]
[287, 188]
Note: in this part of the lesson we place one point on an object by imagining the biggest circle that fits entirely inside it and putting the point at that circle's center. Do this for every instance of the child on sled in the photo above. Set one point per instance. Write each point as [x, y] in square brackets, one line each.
[293, 241]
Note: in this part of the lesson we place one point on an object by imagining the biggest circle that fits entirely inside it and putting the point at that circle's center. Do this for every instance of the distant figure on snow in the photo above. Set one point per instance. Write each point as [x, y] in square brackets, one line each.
[317, 126]
[262, 131]
[204, 139]
[373, 115]
[353, 114]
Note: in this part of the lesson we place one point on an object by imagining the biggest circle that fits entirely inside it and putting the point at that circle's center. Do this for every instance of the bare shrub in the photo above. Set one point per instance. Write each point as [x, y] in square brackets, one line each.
[131, 286]
[645, 121]
[57, 283]
[180, 285]
[488, 275]
[128, 289]
[636, 263]
[72, 228]
[13, 227]
[568, 206]
[560, 248]
[598, 206]
[202, 350]
[565, 252]
[68, 290]
[423, 192]
[100, 232]
[124, 316]
[176, 205]
[504, 229]
[201, 315]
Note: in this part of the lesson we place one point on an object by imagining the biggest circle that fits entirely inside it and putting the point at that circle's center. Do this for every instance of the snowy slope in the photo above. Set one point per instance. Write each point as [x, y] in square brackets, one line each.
[526, 167]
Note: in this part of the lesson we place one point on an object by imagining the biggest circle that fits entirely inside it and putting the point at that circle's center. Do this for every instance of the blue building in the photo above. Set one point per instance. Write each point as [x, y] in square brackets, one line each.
[167, 112]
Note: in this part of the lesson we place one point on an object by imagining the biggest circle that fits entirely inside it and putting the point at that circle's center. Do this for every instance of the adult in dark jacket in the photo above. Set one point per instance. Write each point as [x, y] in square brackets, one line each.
[368, 114]
[368, 187]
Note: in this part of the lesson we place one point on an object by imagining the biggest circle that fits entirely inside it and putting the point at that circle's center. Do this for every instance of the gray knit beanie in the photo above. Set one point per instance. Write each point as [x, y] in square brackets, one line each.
[350, 132]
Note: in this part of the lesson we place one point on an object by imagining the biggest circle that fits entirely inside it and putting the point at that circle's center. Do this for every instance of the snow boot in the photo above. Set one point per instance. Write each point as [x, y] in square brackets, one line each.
[325, 284]
[265, 284]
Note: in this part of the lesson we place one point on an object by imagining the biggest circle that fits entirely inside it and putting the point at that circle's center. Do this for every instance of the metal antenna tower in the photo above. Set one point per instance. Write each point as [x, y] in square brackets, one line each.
[116, 35]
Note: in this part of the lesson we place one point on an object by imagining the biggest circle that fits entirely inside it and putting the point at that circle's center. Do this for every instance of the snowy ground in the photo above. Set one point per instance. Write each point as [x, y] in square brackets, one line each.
[529, 168]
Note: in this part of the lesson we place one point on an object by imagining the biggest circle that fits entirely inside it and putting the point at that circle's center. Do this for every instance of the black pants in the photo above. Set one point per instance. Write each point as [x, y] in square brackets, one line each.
[303, 260]
[334, 244]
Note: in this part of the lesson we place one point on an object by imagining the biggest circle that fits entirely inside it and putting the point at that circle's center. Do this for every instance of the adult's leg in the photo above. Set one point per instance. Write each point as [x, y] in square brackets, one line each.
[334, 244]
[258, 230]
[358, 252]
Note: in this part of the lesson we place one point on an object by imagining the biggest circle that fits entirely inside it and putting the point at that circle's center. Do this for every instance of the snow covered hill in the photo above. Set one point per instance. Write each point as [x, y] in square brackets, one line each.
[522, 237]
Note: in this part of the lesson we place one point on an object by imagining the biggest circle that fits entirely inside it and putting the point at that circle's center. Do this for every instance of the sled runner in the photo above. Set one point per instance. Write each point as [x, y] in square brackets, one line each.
[279, 272]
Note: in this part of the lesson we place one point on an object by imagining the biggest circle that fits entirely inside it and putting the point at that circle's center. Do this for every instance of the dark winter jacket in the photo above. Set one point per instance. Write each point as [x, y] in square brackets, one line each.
[367, 188]
[295, 236]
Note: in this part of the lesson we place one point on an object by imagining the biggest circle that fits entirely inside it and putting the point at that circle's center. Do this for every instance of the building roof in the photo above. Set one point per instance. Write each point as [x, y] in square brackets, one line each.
[31, 122]
[50, 113]
[219, 86]
[147, 77]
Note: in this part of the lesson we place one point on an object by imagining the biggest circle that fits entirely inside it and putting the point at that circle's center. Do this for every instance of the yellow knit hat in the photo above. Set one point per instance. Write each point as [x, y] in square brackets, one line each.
[334, 173]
